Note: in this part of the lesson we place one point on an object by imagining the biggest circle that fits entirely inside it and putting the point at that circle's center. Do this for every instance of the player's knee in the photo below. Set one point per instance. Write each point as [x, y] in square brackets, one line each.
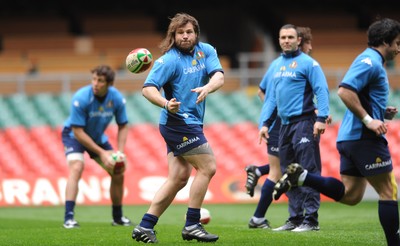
[352, 200]
[76, 167]
[389, 193]
[207, 167]
[211, 169]
[181, 182]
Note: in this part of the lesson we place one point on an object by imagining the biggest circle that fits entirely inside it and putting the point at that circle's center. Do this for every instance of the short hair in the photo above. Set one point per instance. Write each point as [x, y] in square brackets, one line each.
[304, 33]
[106, 71]
[290, 26]
[383, 31]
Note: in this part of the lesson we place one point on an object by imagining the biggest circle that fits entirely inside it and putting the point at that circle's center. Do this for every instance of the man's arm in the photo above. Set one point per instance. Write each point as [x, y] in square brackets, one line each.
[261, 95]
[88, 142]
[122, 136]
[352, 102]
[153, 95]
[216, 82]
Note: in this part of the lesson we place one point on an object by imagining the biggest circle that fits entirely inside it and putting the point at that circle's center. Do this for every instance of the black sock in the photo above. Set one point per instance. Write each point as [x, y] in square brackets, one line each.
[149, 221]
[265, 199]
[192, 216]
[69, 210]
[328, 186]
[117, 212]
[264, 169]
[389, 217]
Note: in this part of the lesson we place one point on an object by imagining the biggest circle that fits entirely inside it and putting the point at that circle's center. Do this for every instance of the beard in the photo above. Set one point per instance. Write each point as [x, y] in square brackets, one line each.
[185, 47]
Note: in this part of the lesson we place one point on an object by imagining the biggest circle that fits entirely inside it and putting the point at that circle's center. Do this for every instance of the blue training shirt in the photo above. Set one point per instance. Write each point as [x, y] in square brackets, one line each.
[265, 86]
[296, 79]
[178, 73]
[367, 77]
[95, 115]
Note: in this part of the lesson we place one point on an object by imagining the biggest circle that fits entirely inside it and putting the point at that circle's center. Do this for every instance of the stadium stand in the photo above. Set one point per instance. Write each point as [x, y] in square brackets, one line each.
[234, 139]
[26, 24]
[118, 23]
[32, 116]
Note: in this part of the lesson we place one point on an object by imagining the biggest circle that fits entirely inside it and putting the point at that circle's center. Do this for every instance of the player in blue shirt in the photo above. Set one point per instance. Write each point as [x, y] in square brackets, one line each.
[296, 80]
[296, 204]
[92, 109]
[361, 142]
[255, 172]
[187, 72]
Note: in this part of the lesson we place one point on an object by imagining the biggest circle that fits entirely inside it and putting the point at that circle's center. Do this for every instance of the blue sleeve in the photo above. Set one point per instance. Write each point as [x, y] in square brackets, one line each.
[161, 72]
[78, 113]
[120, 115]
[359, 75]
[321, 91]
[263, 83]
[212, 61]
[269, 111]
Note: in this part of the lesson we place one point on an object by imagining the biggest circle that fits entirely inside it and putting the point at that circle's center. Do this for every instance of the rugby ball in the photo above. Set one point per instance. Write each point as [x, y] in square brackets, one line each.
[139, 60]
[205, 216]
[118, 160]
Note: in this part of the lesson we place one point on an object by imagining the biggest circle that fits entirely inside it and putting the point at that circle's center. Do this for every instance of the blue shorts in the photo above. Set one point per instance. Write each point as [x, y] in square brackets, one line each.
[182, 138]
[71, 145]
[297, 144]
[273, 140]
[364, 158]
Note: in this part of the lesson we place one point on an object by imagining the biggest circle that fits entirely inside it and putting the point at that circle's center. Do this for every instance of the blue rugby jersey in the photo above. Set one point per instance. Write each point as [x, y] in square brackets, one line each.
[177, 73]
[367, 77]
[94, 115]
[296, 79]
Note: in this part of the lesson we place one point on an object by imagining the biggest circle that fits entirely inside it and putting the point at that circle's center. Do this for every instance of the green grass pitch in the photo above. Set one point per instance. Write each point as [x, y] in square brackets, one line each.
[340, 225]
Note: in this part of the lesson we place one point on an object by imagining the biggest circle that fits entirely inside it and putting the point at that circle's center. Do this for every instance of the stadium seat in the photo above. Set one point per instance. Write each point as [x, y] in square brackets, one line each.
[248, 131]
[10, 161]
[25, 111]
[220, 105]
[244, 106]
[23, 24]
[48, 141]
[135, 116]
[64, 101]
[48, 108]
[7, 117]
[31, 156]
[150, 113]
[119, 24]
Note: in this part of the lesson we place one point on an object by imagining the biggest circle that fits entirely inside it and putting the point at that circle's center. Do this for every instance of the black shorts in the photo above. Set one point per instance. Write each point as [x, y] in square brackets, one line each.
[72, 145]
[364, 158]
[273, 140]
[182, 138]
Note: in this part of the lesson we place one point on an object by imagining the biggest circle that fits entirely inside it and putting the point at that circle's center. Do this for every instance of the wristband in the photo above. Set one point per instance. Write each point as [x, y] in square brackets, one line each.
[367, 119]
[166, 105]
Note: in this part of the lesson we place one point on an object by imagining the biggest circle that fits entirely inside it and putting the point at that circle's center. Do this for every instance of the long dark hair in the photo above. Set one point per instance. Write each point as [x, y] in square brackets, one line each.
[178, 21]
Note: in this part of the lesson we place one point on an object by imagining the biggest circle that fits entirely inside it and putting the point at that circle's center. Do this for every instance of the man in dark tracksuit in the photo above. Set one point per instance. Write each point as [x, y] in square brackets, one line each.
[297, 79]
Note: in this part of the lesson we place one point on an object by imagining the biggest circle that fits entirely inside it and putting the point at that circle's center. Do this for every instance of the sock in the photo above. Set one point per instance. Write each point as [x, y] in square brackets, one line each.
[192, 216]
[302, 177]
[265, 199]
[262, 170]
[328, 186]
[148, 221]
[117, 212]
[258, 220]
[389, 217]
[69, 210]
